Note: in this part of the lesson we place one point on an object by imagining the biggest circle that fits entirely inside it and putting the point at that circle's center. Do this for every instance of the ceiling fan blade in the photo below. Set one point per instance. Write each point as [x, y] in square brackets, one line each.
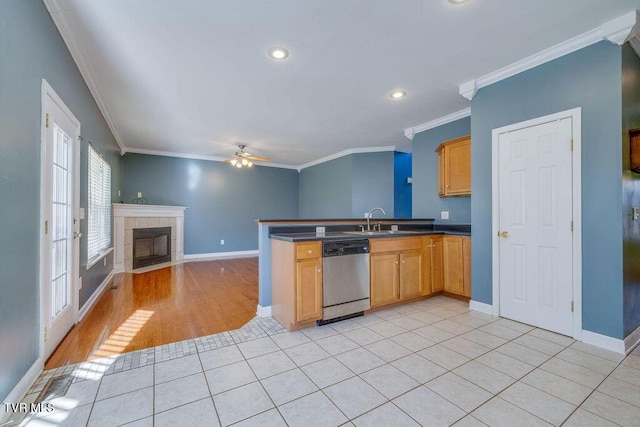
[258, 158]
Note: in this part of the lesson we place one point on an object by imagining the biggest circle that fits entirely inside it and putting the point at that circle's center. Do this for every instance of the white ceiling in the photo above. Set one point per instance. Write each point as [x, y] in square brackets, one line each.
[192, 76]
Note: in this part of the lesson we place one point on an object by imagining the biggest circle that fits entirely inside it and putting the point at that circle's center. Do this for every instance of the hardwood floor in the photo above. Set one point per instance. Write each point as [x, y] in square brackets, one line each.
[163, 306]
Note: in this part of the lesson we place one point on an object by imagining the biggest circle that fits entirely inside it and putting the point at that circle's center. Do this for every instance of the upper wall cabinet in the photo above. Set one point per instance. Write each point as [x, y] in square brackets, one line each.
[454, 167]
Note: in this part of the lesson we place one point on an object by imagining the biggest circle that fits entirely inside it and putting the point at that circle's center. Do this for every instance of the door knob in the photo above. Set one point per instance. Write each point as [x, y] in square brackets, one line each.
[504, 234]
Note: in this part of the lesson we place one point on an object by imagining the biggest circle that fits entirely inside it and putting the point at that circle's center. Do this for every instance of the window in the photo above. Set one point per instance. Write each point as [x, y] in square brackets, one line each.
[99, 227]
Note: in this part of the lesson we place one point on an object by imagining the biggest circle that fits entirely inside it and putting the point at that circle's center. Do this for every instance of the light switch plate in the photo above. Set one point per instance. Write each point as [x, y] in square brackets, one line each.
[222, 242]
[139, 194]
[81, 213]
[444, 215]
[394, 228]
[320, 230]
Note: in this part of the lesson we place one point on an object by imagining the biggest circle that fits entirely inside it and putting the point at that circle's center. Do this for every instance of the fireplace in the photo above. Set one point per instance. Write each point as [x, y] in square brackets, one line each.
[151, 246]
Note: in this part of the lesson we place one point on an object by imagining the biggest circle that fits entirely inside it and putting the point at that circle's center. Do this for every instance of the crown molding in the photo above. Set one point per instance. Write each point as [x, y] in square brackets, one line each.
[412, 131]
[58, 15]
[621, 29]
[346, 153]
[199, 157]
[618, 31]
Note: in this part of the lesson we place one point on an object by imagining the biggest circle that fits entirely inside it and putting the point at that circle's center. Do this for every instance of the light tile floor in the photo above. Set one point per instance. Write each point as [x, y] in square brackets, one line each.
[428, 363]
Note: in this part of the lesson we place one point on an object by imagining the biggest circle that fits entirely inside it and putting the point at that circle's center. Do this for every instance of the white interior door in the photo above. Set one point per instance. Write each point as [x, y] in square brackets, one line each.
[535, 225]
[60, 254]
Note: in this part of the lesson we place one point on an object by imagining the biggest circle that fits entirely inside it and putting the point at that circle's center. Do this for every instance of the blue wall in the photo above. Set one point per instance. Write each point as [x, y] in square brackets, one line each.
[325, 189]
[426, 202]
[32, 49]
[372, 184]
[630, 190]
[589, 78]
[402, 190]
[223, 201]
[348, 186]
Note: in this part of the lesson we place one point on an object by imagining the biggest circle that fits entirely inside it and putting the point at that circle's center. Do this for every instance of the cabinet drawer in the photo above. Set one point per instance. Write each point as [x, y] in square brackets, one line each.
[395, 245]
[308, 250]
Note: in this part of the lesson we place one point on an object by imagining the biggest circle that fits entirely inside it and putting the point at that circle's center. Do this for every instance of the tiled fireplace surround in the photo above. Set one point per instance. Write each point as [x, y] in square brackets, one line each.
[126, 217]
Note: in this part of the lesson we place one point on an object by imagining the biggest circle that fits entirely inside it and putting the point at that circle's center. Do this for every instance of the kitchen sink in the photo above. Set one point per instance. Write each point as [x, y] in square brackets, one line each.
[381, 232]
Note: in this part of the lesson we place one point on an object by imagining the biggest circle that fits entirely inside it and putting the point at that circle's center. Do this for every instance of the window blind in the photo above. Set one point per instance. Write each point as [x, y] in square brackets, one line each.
[99, 225]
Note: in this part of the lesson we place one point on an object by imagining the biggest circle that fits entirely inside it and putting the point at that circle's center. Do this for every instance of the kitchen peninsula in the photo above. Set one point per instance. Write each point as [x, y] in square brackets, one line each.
[406, 260]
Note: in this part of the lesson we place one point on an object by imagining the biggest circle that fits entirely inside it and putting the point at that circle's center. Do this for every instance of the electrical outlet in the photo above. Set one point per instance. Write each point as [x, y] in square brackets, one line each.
[222, 242]
[394, 228]
[139, 194]
[82, 215]
[444, 215]
[119, 193]
[320, 230]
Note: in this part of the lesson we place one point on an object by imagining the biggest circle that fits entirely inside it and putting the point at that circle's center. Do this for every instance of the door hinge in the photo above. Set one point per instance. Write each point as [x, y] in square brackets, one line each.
[571, 225]
[571, 145]
[46, 227]
[572, 306]
[46, 120]
[46, 331]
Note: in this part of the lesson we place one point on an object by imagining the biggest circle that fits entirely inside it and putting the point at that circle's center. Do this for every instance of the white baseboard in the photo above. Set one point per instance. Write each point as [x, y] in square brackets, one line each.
[481, 307]
[221, 255]
[20, 390]
[94, 297]
[263, 311]
[632, 340]
[603, 341]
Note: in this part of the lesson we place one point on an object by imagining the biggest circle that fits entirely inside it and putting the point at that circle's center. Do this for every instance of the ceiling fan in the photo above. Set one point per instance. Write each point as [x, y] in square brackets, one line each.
[241, 158]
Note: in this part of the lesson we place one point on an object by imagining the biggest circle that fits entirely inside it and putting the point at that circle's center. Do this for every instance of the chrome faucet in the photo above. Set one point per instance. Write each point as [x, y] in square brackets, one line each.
[369, 216]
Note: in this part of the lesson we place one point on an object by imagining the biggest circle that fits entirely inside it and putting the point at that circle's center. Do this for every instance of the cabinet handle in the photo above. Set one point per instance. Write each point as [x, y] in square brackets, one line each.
[319, 270]
[403, 261]
[310, 251]
[396, 261]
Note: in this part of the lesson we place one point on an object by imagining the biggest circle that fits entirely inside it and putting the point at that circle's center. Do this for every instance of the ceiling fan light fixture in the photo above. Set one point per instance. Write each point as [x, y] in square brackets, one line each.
[278, 53]
[233, 162]
[397, 94]
[244, 162]
[239, 165]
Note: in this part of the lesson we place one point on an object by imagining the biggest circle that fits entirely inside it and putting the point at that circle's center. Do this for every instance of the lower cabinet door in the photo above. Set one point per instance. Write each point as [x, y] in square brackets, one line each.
[410, 274]
[384, 279]
[453, 265]
[437, 276]
[308, 290]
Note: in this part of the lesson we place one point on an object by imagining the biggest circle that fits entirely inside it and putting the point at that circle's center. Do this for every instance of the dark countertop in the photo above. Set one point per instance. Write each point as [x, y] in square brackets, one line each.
[344, 220]
[340, 235]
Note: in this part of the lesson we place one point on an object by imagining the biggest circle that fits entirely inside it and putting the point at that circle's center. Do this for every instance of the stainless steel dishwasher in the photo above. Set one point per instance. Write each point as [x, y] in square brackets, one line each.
[345, 279]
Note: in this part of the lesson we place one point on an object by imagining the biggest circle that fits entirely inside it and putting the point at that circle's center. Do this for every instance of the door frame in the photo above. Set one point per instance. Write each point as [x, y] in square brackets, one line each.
[49, 95]
[576, 115]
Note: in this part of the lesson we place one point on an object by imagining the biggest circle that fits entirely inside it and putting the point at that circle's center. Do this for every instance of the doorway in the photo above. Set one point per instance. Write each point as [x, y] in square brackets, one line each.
[60, 188]
[536, 222]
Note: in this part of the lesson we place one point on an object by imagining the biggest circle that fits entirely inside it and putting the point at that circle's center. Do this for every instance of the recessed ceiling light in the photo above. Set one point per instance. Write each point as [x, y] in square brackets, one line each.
[458, 1]
[397, 94]
[278, 53]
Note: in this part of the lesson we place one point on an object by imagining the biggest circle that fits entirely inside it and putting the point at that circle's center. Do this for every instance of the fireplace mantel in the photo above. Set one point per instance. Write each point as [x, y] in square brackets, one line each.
[123, 211]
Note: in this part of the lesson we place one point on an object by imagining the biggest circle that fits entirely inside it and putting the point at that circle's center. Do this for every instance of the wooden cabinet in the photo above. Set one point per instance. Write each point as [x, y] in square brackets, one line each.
[396, 267]
[385, 280]
[308, 289]
[433, 264]
[457, 264]
[454, 167]
[296, 283]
